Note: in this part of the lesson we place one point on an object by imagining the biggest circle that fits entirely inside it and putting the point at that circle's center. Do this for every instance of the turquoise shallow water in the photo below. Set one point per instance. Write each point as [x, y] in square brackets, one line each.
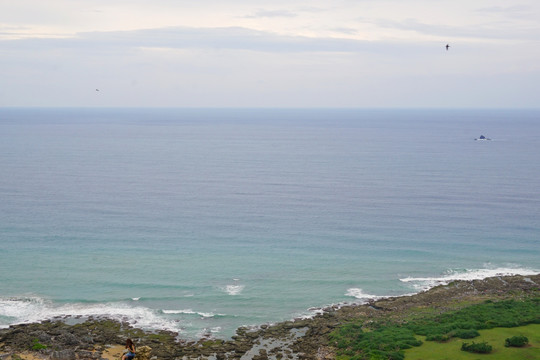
[204, 220]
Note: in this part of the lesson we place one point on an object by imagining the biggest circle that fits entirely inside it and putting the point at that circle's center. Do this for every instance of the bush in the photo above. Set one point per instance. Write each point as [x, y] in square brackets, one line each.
[465, 334]
[516, 341]
[36, 345]
[384, 343]
[438, 337]
[481, 348]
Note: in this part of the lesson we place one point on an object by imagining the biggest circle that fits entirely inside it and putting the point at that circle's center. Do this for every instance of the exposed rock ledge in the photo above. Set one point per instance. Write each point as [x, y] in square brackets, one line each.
[296, 339]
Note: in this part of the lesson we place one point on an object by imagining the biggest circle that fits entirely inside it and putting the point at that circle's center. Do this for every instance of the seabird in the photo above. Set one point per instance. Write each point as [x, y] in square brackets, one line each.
[447, 46]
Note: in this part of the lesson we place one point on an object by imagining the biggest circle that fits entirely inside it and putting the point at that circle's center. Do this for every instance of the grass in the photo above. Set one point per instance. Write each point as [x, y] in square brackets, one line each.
[496, 337]
[387, 339]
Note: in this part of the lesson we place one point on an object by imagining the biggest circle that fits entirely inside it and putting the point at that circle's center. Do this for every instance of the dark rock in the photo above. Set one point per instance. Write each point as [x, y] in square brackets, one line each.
[88, 355]
[42, 336]
[68, 339]
[67, 354]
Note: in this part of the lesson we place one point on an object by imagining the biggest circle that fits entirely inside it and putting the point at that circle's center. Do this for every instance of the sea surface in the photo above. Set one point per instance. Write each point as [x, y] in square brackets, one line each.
[203, 220]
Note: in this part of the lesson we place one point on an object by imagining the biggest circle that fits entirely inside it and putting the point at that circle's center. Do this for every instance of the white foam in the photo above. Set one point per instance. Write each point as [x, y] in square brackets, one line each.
[208, 332]
[424, 283]
[35, 309]
[188, 311]
[234, 289]
[16, 308]
[215, 329]
[311, 313]
[359, 294]
[191, 312]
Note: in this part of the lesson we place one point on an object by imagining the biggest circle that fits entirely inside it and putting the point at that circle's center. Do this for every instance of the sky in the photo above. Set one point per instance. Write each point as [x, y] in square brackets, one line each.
[259, 53]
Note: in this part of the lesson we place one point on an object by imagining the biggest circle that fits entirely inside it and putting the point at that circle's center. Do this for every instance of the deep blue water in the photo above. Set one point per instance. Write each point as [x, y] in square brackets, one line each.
[202, 220]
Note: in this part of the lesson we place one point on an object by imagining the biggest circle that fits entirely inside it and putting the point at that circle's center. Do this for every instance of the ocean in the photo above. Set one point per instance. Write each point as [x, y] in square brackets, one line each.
[203, 220]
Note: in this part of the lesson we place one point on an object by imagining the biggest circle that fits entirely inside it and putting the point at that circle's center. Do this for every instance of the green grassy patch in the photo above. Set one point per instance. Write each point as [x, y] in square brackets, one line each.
[388, 340]
[36, 345]
[496, 337]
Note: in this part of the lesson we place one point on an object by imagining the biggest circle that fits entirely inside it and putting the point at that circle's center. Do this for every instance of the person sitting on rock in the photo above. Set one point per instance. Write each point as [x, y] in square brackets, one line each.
[130, 353]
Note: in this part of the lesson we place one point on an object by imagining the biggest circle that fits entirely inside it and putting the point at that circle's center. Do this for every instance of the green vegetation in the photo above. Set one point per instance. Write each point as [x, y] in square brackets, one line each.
[36, 345]
[382, 343]
[388, 340]
[451, 350]
[480, 348]
[488, 315]
[212, 343]
[464, 333]
[516, 341]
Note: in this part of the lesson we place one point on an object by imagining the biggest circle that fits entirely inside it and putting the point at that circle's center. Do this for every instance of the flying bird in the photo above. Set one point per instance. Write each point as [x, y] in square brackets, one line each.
[447, 46]
[97, 89]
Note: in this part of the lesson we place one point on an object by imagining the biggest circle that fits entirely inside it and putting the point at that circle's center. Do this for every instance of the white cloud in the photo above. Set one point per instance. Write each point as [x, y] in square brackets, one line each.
[199, 38]
[474, 32]
[272, 53]
[271, 14]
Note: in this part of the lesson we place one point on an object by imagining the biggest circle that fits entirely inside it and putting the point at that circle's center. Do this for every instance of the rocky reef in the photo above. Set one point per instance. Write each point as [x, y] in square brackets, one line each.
[296, 339]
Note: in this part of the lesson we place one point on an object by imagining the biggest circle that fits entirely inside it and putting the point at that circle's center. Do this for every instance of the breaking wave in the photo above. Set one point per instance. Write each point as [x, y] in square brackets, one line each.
[425, 283]
[23, 310]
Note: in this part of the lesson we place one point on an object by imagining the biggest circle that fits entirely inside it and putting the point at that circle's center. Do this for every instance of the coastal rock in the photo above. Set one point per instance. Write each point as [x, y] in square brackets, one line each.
[66, 354]
[42, 336]
[88, 355]
[144, 352]
[68, 339]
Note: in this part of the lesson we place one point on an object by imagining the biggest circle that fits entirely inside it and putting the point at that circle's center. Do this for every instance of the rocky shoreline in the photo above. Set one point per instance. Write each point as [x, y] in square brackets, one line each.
[296, 339]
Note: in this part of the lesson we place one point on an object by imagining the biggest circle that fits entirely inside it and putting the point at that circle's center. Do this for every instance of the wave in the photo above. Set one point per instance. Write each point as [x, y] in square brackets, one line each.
[359, 294]
[234, 289]
[23, 310]
[191, 312]
[206, 332]
[425, 283]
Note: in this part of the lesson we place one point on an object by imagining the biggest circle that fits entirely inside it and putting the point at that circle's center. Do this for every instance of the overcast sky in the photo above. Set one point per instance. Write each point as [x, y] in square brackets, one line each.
[259, 53]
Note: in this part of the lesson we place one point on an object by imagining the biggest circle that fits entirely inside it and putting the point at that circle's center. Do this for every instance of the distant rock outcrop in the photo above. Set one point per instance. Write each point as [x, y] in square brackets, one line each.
[482, 137]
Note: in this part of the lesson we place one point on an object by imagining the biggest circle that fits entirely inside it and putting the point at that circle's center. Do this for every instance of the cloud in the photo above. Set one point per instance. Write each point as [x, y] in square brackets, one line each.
[505, 10]
[501, 31]
[345, 30]
[271, 14]
[516, 12]
[236, 38]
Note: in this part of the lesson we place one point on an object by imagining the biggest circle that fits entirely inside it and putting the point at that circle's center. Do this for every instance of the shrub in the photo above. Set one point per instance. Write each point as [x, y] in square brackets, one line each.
[438, 337]
[480, 348]
[36, 345]
[384, 343]
[465, 333]
[516, 341]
